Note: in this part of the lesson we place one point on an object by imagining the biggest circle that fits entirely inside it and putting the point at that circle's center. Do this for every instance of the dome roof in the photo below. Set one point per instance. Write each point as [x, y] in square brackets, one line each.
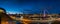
[2, 10]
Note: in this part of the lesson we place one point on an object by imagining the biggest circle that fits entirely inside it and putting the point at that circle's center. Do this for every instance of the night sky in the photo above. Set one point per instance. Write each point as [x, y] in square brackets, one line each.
[30, 6]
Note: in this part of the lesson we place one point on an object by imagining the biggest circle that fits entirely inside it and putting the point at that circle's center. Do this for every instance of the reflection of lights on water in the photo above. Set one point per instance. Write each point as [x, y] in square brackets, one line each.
[25, 21]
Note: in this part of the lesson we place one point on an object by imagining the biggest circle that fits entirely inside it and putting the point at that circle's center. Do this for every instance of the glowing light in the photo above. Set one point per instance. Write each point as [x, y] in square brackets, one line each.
[4, 22]
[25, 21]
[1, 10]
[44, 13]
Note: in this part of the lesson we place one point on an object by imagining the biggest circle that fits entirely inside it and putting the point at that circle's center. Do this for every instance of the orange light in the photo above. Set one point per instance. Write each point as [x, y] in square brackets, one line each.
[3, 22]
[26, 21]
